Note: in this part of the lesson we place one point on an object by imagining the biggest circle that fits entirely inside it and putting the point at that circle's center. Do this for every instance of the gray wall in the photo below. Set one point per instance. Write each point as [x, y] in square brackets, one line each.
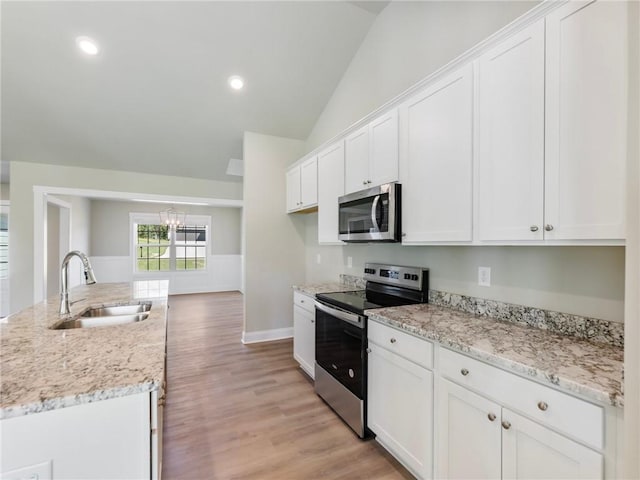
[274, 248]
[110, 226]
[4, 191]
[407, 42]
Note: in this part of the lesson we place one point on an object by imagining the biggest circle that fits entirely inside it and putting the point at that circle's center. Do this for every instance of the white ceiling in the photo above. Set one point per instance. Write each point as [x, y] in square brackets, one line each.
[156, 99]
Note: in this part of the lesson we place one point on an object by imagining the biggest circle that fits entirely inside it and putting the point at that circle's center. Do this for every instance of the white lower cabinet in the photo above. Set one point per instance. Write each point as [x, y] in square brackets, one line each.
[468, 443]
[484, 438]
[304, 332]
[400, 404]
[104, 439]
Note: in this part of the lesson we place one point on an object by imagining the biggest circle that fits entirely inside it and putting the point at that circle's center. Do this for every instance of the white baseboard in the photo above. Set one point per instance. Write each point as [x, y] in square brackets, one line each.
[267, 335]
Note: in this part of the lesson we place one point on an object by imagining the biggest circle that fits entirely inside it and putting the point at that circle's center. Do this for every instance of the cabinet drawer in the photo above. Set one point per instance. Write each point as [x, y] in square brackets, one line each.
[563, 412]
[303, 301]
[407, 346]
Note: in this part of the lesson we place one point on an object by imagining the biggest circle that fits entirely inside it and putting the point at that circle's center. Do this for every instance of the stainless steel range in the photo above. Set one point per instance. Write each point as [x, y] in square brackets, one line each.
[341, 336]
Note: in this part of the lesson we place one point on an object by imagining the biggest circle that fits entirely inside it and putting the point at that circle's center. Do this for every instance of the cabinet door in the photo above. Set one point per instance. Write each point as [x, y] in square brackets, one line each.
[356, 160]
[436, 128]
[468, 444]
[330, 187]
[533, 451]
[309, 183]
[304, 343]
[511, 138]
[586, 121]
[293, 189]
[400, 409]
[383, 149]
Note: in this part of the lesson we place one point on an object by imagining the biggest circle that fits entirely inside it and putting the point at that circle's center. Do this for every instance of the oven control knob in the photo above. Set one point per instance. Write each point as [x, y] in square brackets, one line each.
[407, 276]
[414, 277]
[351, 373]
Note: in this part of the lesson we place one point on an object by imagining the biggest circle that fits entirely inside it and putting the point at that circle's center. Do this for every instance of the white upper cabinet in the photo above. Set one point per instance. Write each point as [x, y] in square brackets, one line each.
[371, 154]
[356, 171]
[330, 187]
[511, 138]
[293, 189]
[436, 164]
[383, 149]
[309, 183]
[586, 121]
[302, 185]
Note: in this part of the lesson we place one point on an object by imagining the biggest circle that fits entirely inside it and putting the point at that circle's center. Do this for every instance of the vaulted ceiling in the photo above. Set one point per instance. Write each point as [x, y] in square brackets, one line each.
[156, 99]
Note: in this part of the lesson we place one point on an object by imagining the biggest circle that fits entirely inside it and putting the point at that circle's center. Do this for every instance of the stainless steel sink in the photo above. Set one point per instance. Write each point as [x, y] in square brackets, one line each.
[117, 310]
[105, 316]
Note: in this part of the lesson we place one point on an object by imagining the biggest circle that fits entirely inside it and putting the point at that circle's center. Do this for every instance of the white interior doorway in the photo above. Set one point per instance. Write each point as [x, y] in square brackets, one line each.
[58, 241]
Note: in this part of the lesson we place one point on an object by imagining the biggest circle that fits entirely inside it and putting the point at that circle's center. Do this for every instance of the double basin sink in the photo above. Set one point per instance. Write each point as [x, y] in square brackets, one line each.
[104, 316]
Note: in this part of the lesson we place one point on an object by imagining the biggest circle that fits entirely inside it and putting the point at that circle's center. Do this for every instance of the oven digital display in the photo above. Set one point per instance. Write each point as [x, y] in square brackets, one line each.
[389, 273]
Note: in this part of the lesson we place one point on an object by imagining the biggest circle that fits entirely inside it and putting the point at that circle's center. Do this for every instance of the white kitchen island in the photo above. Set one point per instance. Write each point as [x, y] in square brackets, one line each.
[84, 402]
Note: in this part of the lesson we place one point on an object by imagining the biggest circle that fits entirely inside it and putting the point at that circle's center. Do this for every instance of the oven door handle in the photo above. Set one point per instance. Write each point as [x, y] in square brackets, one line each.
[342, 315]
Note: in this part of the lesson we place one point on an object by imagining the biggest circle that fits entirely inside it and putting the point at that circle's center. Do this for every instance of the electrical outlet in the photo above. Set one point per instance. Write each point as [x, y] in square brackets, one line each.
[349, 262]
[484, 276]
[318, 259]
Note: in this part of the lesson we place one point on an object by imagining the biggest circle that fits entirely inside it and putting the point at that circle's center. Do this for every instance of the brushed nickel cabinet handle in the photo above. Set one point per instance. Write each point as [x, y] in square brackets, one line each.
[506, 425]
[491, 417]
[533, 228]
[548, 227]
[393, 340]
[368, 350]
[543, 406]
[364, 182]
[464, 372]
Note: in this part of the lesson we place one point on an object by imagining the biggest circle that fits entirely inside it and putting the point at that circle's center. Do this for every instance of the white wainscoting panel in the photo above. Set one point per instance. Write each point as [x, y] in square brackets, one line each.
[224, 273]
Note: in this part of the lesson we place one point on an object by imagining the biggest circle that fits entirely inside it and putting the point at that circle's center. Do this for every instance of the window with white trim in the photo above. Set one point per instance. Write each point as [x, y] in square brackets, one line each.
[159, 248]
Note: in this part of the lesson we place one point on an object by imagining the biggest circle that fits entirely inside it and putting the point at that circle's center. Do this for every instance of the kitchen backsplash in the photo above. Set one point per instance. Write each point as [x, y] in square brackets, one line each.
[592, 329]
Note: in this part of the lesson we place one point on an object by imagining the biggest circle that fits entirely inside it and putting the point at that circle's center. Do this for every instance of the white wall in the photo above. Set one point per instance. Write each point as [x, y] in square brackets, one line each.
[24, 176]
[407, 42]
[274, 241]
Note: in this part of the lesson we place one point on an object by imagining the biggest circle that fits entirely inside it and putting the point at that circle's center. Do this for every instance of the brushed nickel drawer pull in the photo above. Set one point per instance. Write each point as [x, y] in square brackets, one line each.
[393, 340]
[506, 425]
[533, 228]
[464, 372]
[491, 416]
[543, 406]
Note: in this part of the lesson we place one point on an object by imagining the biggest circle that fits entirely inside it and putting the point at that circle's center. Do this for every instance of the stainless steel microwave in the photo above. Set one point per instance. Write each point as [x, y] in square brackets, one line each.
[371, 215]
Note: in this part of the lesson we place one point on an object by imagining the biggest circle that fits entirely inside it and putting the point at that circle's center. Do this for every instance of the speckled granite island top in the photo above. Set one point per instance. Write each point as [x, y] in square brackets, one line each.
[44, 369]
[588, 369]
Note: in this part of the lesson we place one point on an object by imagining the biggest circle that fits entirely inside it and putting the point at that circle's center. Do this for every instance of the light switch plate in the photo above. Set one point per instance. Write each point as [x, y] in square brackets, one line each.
[484, 276]
[349, 262]
[318, 259]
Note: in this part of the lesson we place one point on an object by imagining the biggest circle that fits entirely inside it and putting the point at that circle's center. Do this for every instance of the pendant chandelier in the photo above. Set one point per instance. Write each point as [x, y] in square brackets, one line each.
[172, 218]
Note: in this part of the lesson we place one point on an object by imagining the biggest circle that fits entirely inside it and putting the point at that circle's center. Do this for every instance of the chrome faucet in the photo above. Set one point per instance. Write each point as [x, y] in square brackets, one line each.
[64, 278]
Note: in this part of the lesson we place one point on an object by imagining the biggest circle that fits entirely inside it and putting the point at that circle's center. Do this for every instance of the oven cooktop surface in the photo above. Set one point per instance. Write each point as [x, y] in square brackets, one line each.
[352, 301]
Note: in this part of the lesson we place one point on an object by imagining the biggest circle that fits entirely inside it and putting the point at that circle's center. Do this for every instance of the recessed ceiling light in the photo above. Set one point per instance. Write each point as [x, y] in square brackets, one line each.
[87, 45]
[236, 82]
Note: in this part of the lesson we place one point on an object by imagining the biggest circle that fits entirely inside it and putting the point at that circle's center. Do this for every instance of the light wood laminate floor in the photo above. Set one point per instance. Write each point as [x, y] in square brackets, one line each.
[237, 411]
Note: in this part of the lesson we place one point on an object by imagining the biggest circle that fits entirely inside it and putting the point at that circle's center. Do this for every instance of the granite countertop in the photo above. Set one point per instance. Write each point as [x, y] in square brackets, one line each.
[312, 288]
[588, 369]
[44, 369]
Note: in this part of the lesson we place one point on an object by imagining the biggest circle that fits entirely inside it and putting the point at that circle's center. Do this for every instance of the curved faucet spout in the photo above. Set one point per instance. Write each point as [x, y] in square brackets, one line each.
[64, 278]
